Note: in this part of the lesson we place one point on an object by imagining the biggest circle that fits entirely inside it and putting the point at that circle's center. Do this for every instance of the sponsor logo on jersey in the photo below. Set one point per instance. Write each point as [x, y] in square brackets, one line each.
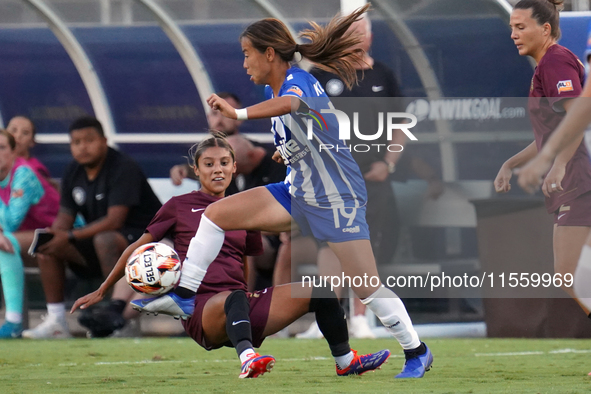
[376, 88]
[295, 90]
[290, 150]
[565, 86]
[351, 230]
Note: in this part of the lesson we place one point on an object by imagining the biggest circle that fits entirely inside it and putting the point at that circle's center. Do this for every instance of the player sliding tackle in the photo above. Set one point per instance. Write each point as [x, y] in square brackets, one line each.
[224, 313]
[322, 190]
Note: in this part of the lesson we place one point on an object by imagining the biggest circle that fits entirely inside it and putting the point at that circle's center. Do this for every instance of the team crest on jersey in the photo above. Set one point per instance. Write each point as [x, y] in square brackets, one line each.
[565, 86]
[295, 90]
[79, 195]
[335, 87]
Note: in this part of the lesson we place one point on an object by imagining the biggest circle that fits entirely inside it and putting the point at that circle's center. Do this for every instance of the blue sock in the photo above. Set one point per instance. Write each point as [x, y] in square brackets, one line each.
[12, 275]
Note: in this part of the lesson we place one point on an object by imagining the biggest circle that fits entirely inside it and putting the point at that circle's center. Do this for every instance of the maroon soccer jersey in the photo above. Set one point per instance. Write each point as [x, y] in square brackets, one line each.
[559, 76]
[179, 219]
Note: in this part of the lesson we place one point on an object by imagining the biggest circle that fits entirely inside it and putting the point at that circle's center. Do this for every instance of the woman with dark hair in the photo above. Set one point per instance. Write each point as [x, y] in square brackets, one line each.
[23, 129]
[324, 190]
[558, 79]
[224, 313]
[25, 205]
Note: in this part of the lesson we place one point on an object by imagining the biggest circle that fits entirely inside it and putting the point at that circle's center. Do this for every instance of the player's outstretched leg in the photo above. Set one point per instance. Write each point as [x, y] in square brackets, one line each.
[362, 364]
[167, 304]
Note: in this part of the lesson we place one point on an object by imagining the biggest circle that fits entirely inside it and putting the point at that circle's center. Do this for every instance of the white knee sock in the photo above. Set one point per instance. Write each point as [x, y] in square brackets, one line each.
[391, 311]
[203, 249]
[582, 280]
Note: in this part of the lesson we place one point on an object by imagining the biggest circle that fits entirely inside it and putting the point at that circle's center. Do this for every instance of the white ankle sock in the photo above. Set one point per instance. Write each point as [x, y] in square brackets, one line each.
[57, 310]
[391, 311]
[246, 354]
[14, 317]
[582, 279]
[203, 249]
[345, 360]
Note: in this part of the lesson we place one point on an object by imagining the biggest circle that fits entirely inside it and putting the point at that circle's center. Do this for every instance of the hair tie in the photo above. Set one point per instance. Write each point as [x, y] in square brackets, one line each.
[297, 48]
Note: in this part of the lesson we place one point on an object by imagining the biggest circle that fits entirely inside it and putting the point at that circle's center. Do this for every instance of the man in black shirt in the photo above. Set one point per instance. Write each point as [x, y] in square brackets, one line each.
[108, 190]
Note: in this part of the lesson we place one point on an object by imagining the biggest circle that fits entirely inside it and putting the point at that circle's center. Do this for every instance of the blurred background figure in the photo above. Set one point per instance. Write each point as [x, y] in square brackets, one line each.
[27, 202]
[23, 130]
[113, 196]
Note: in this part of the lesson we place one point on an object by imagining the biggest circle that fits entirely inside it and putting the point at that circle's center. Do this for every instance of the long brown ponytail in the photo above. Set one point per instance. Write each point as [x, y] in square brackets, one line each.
[330, 47]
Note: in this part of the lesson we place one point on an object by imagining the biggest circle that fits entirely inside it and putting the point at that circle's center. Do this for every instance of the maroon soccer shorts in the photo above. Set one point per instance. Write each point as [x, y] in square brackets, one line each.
[575, 213]
[260, 304]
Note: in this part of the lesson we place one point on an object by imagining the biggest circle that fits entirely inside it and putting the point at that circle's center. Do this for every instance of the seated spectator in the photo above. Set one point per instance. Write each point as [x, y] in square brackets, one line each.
[109, 190]
[25, 204]
[23, 130]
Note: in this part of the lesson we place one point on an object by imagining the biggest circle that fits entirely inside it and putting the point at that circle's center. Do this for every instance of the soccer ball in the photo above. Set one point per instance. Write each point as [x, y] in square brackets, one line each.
[153, 268]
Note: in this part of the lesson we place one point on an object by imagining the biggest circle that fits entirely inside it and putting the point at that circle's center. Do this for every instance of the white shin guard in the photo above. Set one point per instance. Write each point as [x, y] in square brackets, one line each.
[203, 249]
[392, 313]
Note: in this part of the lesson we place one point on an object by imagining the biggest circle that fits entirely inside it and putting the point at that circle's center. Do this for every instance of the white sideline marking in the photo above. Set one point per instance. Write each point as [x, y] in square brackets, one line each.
[176, 361]
[289, 360]
[532, 353]
[508, 354]
[319, 358]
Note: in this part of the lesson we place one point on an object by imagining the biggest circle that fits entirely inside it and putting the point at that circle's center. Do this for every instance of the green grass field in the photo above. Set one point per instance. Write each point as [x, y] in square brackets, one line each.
[178, 365]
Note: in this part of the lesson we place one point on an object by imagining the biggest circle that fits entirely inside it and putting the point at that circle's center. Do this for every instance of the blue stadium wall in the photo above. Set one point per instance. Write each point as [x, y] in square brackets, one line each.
[150, 90]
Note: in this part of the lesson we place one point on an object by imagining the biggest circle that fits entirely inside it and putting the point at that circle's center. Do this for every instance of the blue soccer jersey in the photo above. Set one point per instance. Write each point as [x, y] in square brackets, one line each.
[321, 171]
